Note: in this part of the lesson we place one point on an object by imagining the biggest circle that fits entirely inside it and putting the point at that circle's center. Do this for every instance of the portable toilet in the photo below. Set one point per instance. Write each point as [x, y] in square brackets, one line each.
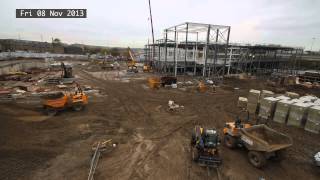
[253, 100]
[297, 114]
[282, 111]
[267, 106]
[313, 120]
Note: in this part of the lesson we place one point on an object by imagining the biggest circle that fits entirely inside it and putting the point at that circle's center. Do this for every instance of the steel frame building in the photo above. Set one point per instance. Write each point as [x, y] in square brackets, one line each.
[191, 48]
[204, 50]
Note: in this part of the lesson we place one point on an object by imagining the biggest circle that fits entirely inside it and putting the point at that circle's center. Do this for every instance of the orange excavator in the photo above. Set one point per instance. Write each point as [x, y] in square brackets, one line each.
[53, 103]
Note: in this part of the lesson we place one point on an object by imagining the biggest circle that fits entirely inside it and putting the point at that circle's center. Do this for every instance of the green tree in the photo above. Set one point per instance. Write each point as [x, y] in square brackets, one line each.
[104, 51]
[56, 41]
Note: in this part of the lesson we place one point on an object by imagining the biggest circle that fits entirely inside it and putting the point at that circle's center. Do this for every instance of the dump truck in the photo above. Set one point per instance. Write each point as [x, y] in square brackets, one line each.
[204, 146]
[262, 142]
[52, 103]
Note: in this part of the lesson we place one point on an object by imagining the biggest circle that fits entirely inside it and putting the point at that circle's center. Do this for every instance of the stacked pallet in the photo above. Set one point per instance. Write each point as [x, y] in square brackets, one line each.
[298, 113]
[308, 99]
[266, 93]
[317, 102]
[292, 95]
[267, 107]
[282, 111]
[253, 100]
[313, 120]
[282, 97]
[242, 102]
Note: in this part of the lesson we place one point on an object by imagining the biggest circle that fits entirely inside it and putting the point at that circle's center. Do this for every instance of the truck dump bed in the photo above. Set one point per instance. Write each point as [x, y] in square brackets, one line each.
[263, 138]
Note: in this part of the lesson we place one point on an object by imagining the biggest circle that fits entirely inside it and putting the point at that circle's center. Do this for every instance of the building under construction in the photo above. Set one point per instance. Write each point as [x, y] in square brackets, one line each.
[204, 50]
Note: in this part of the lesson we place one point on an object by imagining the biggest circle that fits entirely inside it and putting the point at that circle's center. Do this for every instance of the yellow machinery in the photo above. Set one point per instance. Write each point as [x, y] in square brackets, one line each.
[132, 63]
[56, 102]
[204, 146]
[262, 142]
[202, 87]
[154, 82]
[147, 68]
[231, 132]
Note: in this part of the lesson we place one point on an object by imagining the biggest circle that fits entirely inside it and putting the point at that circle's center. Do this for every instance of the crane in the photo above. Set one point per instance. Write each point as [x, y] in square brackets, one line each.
[132, 62]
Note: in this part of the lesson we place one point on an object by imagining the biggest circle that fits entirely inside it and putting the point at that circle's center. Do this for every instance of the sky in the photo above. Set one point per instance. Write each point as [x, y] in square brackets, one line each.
[125, 23]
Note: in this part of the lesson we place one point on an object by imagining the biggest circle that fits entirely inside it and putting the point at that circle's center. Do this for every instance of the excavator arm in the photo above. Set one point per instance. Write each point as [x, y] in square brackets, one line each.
[133, 61]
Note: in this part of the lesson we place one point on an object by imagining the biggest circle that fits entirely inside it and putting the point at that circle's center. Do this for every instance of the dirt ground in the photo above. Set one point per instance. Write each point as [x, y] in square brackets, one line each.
[153, 143]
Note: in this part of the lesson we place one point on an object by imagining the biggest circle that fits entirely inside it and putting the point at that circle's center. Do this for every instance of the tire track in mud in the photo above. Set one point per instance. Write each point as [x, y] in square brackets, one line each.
[136, 111]
[216, 175]
[137, 158]
[122, 97]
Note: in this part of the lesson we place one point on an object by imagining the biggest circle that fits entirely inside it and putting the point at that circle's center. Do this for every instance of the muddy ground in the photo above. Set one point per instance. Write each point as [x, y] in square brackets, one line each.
[153, 143]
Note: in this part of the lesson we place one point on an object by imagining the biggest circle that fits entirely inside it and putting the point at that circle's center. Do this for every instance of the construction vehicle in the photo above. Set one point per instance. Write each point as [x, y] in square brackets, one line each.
[202, 87]
[147, 67]
[262, 142]
[132, 63]
[204, 147]
[66, 71]
[106, 65]
[168, 80]
[53, 103]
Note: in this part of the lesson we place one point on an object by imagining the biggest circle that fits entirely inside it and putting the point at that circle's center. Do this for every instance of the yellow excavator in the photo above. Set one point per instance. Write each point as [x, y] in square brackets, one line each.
[147, 67]
[131, 63]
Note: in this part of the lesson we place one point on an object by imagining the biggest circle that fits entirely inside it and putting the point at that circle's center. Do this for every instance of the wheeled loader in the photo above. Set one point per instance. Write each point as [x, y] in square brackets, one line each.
[204, 147]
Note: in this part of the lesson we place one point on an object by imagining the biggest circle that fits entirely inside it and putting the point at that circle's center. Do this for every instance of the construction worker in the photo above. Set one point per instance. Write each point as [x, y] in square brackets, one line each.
[238, 122]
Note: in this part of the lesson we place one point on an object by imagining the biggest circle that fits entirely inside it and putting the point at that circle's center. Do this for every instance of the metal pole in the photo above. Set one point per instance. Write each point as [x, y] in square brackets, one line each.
[159, 62]
[175, 51]
[207, 49]
[225, 55]
[195, 57]
[230, 61]
[215, 53]
[166, 52]
[259, 63]
[186, 51]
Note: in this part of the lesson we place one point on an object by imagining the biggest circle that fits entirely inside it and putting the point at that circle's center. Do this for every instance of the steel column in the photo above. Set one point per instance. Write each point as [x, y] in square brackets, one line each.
[207, 50]
[225, 55]
[186, 51]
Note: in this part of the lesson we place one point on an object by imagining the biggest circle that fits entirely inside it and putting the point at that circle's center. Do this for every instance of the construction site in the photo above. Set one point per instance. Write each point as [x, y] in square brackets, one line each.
[189, 105]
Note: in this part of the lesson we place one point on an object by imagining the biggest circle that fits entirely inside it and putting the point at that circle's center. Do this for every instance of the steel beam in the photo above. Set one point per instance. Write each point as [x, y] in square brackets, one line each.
[207, 50]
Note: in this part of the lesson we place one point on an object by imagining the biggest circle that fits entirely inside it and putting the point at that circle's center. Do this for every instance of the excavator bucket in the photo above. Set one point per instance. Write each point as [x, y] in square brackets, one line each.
[210, 161]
